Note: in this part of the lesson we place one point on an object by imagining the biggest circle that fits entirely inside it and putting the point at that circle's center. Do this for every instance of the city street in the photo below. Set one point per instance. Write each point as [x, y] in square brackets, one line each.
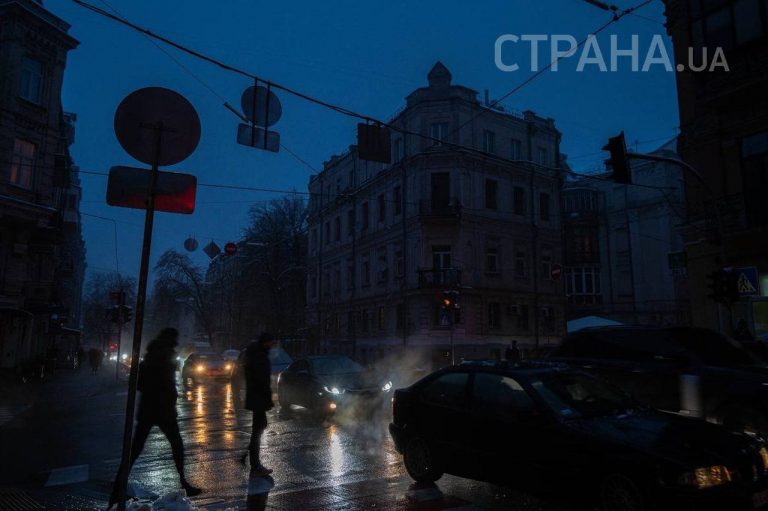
[63, 452]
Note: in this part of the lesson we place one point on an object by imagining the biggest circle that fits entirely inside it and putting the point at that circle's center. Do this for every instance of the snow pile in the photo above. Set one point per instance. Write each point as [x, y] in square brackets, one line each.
[138, 506]
[173, 501]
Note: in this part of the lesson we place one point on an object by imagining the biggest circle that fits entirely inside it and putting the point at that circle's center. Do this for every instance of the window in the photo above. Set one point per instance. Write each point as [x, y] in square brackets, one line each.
[447, 390]
[313, 240]
[439, 130]
[399, 262]
[398, 150]
[313, 285]
[365, 214]
[522, 317]
[582, 285]
[350, 323]
[22, 163]
[336, 279]
[754, 163]
[337, 229]
[521, 263]
[542, 156]
[381, 318]
[544, 212]
[366, 272]
[518, 200]
[364, 319]
[491, 192]
[350, 274]
[397, 200]
[382, 208]
[494, 315]
[726, 23]
[516, 152]
[351, 222]
[351, 178]
[489, 142]
[31, 80]
[327, 233]
[383, 270]
[492, 260]
[548, 318]
[441, 256]
[495, 395]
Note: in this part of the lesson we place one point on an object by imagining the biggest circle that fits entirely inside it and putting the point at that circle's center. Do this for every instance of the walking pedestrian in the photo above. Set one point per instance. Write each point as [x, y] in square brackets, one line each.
[157, 404]
[95, 357]
[258, 397]
[512, 353]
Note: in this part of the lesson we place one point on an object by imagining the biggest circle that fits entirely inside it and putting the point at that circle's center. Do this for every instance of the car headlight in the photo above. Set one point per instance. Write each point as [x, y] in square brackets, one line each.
[228, 367]
[387, 386]
[707, 477]
[200, 368]
[333, 390]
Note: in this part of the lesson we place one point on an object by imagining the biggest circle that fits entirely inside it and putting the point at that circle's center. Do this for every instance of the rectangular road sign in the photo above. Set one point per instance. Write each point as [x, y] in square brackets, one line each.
[246, 136]
[175, 193]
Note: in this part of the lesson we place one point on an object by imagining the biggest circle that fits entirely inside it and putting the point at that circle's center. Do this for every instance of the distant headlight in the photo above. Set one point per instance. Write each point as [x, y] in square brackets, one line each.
[228, 367]
[387, 386]
[200, 368]
[332, 390]
[707, 477]
[124, 356]
[764, 455]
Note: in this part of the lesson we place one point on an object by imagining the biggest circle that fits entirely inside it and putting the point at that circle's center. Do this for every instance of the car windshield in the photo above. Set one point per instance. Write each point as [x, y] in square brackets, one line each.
[279, 356]
[335, 365]
[209, 357]
[576, 395]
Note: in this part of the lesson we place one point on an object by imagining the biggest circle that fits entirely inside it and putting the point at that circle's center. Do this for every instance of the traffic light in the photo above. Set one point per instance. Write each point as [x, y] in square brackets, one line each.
[617, 146]
[114, 314]
[127, 314]
[450, 300]
[724, 286]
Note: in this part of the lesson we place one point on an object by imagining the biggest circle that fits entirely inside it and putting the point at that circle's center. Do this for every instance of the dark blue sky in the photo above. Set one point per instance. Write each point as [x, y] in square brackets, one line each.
[366, 56]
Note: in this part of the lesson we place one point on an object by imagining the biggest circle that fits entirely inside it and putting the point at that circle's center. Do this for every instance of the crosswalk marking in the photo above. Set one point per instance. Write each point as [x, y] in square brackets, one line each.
[68, 475]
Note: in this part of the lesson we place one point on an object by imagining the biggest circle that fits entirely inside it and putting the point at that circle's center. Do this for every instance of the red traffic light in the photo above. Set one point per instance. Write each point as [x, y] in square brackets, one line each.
[230, 248]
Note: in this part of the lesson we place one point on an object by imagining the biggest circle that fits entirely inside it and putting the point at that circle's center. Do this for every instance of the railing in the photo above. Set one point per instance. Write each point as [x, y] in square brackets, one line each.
[439, 277]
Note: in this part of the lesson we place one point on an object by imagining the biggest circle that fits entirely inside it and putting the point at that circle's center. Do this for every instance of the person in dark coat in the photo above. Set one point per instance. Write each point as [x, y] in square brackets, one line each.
[513, 353]
[95, 356]
[157, 404]
[257, 369]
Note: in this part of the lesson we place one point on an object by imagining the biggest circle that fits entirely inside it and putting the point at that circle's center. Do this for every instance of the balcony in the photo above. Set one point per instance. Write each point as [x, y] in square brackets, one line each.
[439, 277]
[439, 209]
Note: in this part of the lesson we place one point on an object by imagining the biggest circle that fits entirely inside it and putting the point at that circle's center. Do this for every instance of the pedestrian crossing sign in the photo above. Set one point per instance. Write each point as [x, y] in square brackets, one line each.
[747, 281]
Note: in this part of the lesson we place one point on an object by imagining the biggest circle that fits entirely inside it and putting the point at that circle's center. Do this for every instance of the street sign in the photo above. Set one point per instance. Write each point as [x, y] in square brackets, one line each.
[247, 136]
[174, 192]
[748, 281]
[266, 110]
[373, 143]
[230, 248]
[211, 250]
[190, 244]
[556, 272]
[677, 260]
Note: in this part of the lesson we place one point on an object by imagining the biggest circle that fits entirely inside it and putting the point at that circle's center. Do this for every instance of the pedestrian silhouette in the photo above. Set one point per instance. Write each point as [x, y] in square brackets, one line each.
[157, 404]
[258, 397]
[512, 353]
[95, 357]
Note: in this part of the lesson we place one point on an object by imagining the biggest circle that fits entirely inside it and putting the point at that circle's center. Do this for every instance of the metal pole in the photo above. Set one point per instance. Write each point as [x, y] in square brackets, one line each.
[122, 478]
[120, 318]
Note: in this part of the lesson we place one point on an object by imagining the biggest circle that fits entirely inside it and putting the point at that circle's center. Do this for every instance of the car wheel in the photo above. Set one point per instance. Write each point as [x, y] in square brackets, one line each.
[420, 461]
[620, 493]
[747, 419]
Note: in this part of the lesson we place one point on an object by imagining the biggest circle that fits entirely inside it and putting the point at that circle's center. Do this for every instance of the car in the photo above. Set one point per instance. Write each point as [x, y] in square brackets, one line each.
[323, 383]
[205, 366]
[686, 370]
[230, 355]
[545, 427]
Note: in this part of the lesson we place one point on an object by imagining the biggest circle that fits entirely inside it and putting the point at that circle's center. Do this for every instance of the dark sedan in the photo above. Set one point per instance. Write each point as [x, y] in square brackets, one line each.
[549, 428]
[325, 383]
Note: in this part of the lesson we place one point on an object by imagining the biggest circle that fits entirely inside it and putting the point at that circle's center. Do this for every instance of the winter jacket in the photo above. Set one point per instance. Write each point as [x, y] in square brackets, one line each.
[257, 370]
[157, 384]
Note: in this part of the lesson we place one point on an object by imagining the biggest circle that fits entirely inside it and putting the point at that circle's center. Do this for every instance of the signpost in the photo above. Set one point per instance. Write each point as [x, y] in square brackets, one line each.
[156, 126]
[174, 193]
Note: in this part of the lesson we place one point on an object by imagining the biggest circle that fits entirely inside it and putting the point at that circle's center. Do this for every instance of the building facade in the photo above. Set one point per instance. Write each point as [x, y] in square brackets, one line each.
[619, 239]
[469, 207]
[724, 136]
[41, 249]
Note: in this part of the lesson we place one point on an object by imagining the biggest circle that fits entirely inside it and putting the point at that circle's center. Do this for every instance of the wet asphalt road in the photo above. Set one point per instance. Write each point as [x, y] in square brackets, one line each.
[346, 462]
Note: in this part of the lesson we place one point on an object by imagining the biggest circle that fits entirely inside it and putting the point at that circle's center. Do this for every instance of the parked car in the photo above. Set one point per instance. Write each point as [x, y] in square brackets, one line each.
[551, 428]
[686, 370]
[324, 383]
[230, 355]
[205, 366]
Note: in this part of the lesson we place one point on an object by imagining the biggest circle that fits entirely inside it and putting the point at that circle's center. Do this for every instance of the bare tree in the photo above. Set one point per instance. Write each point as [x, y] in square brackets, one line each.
[97, 327]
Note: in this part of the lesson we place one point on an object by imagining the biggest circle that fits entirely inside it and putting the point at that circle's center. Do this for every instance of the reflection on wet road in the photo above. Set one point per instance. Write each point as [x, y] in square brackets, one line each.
[318, 463]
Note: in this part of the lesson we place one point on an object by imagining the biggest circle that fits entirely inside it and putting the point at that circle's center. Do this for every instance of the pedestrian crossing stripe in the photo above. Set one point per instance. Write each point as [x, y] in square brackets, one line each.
[68, 475]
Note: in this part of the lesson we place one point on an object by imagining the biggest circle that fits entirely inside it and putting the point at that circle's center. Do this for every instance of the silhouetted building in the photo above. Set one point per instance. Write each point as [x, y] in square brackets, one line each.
[41, 250]
[618, 245]
[387, 241]
[724, 135]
